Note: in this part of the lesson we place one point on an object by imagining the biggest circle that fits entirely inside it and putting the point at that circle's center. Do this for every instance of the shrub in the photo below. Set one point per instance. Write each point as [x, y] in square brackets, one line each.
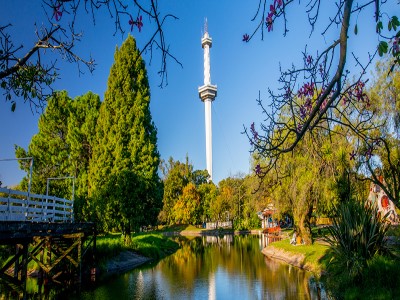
[358, 233]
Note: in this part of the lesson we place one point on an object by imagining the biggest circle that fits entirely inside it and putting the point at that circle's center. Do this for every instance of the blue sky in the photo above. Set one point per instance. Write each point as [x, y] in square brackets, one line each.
[240, 70]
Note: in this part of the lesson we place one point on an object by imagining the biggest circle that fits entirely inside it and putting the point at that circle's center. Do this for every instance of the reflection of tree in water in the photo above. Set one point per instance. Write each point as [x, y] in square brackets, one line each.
[240, 256]
[280, 279]
[201, 265]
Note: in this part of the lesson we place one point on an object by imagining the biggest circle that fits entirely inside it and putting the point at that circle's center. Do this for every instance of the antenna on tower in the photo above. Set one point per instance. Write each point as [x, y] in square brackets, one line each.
[205, 26]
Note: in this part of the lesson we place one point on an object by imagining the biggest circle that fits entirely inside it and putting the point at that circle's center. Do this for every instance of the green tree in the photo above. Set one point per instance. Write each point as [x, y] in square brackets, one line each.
[311, 179]
[177, 176]
[126, 137]
[188, 208]
[379, 154]
[208, 193]
[81, 138]
[120, 201]
[50, 149]
[63, 147]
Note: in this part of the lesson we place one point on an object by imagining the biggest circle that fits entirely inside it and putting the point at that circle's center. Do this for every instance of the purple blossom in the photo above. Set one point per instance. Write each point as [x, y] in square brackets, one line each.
[57, 13]
[254, 131]
[307, 90]
[258, 169]
[139, 23]
[303, 112]
[308, 104]
[132, 23]
[309, 60]
[345, 100]
[269, 23]
[272, 10]
[246, 37]
[299, 127]
[278, 3]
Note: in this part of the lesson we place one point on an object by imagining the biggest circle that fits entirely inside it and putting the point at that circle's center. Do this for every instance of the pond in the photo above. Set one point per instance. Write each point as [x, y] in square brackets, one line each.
[208, 267]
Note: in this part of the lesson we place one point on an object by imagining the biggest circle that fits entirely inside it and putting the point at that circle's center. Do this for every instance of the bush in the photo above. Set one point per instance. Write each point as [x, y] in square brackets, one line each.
[358, 233]
[380, 280]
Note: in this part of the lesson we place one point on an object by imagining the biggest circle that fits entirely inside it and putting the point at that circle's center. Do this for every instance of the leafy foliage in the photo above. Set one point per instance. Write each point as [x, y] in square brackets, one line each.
[358, 234]
[181, 192]
[62, 147]
[125, 159]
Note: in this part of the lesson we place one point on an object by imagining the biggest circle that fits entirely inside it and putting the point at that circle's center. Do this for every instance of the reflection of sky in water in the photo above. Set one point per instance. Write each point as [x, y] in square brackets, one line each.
[214, 268]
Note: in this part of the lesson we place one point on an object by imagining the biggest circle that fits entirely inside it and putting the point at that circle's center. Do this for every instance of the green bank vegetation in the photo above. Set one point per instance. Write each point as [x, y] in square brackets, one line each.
[152, 245]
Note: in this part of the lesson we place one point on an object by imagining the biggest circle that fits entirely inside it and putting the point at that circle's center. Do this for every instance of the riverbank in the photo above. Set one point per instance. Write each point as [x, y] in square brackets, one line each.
[313, 258]
[124, 261]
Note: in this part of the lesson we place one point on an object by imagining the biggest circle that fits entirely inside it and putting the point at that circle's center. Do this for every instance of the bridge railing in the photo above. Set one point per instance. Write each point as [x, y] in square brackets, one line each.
[15, 206]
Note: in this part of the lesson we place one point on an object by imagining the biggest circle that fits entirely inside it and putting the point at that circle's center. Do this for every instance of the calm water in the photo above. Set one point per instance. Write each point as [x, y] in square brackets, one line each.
[229, 267]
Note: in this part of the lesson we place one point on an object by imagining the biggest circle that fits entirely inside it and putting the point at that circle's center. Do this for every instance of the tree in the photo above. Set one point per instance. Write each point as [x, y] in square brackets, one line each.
[319, 93]
[379, 154]
[208, 193]
[50, 148]
[311, 179]
[121, 202]
[188, 208]
[177, 176]
[81, 138]
[30, 73]
[126, 138]
[62, 147]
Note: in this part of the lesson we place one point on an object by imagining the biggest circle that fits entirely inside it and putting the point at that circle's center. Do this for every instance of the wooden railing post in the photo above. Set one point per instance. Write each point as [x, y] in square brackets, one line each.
[8, 204]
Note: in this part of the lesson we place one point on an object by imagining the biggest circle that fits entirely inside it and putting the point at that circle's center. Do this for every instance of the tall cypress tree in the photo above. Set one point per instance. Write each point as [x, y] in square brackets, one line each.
[126, 152]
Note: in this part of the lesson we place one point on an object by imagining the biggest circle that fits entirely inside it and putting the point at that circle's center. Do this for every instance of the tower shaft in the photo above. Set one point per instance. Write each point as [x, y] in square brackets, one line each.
[207, 104]
[207, 94]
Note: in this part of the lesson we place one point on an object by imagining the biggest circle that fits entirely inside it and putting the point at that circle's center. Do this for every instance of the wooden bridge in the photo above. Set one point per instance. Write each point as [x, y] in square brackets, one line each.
[42, 229]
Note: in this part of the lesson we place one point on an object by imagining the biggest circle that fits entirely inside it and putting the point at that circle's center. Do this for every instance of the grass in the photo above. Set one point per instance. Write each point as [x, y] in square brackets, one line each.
[316, 256]
[179, 228]
[152, 245]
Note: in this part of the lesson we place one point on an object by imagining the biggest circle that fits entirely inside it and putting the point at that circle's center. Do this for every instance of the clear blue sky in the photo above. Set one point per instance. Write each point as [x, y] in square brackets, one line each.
[239, 70]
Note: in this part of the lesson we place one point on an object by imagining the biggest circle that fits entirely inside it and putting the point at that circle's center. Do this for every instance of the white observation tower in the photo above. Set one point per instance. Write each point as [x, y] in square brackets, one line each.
[207, 94]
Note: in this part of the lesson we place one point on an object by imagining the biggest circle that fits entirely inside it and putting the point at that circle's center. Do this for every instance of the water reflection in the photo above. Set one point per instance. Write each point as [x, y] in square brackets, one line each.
[210, 267]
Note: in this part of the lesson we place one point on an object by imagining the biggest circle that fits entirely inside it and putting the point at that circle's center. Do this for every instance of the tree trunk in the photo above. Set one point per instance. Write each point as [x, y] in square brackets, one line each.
[303, 226]
[127, 236]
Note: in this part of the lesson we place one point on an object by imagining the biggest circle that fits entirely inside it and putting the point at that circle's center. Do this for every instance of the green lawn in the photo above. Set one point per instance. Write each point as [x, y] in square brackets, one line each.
[316, 256]
[152, 245]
